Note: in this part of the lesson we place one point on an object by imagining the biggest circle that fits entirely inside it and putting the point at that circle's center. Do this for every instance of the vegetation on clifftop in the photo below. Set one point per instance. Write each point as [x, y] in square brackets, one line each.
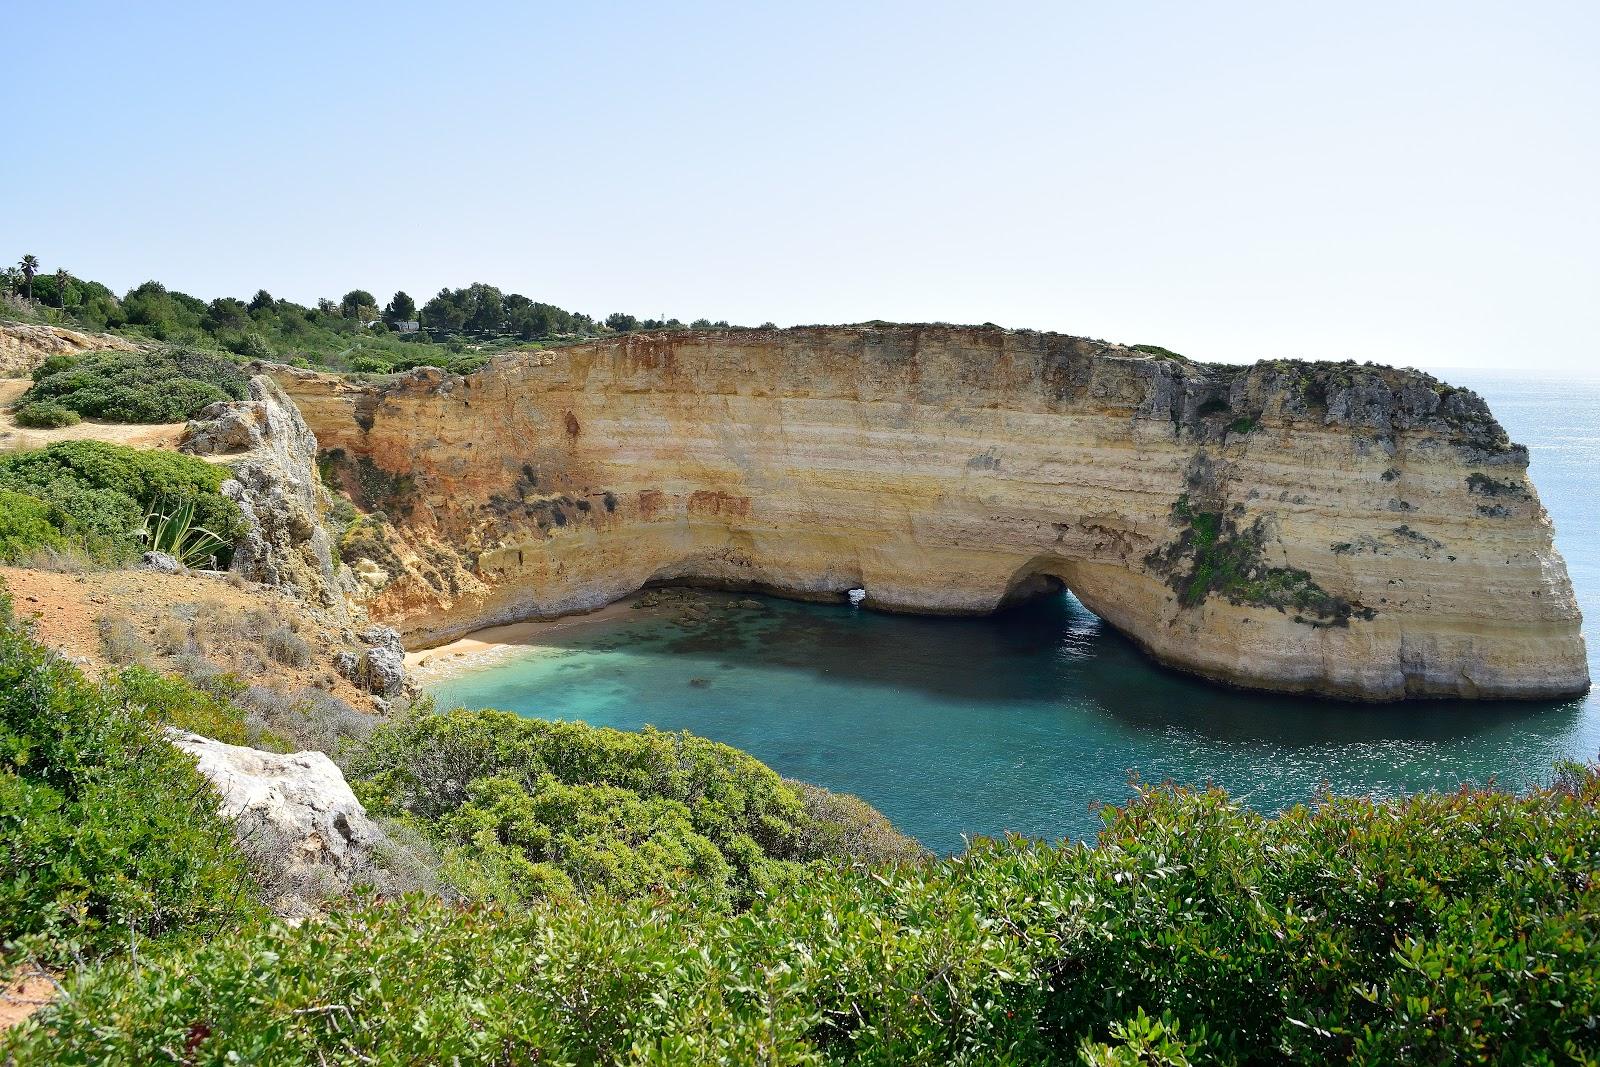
[353, 333]
[163, 385]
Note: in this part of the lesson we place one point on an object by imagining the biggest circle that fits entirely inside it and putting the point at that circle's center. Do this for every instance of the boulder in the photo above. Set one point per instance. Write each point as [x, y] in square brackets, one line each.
[306, 834]
[384, 671]
[162, 562]
[228, 426]
[381, 670]
[386, 637]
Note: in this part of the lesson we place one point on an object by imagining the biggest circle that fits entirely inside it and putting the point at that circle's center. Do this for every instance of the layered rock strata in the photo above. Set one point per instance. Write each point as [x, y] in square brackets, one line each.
[1348, 530]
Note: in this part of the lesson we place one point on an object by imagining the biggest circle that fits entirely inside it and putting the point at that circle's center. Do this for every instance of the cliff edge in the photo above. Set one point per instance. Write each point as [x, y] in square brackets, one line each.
[1342, 529]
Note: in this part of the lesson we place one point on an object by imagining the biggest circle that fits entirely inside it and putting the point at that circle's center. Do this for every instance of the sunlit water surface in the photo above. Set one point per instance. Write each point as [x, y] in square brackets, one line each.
[1028, 720]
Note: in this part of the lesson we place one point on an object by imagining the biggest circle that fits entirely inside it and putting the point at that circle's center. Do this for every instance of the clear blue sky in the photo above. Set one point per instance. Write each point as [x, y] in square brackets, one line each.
[1409, 182]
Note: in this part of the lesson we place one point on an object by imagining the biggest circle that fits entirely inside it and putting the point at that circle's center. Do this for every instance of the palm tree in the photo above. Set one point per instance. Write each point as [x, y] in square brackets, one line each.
[61, 288]
[30, 267]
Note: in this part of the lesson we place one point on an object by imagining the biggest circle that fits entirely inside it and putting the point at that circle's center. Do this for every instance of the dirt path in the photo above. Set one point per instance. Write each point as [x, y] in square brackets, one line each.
[160, 435]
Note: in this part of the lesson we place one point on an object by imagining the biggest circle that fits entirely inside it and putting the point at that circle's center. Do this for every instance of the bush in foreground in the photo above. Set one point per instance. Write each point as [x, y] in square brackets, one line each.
[1439, 929]
[524, 808]
[107, 833]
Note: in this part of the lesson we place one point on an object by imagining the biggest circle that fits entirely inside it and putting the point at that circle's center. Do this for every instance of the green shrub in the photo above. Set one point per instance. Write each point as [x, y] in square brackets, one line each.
[467, 364]
[838, 824]
[613, 811]
[106, 831]
[1445, 928]
[171, 701]
[45, 415]
[166, 385]
[1159, 353]
[169, 526]
[367, 363]
[101, 492]
[27, 524]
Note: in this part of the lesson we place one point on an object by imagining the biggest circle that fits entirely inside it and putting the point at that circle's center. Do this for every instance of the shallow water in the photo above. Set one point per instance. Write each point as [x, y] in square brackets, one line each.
[1026, 721]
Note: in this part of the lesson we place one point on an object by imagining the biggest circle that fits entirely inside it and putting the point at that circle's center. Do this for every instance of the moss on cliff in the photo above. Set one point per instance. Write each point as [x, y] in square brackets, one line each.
[1483, 485]
[1213, 555]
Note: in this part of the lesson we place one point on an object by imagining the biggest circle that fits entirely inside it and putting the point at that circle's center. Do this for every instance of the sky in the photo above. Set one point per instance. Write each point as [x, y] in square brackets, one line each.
[1408, 182]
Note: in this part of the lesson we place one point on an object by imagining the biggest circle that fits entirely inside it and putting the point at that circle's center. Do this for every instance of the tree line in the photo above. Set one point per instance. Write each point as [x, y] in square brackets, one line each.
[264, 323]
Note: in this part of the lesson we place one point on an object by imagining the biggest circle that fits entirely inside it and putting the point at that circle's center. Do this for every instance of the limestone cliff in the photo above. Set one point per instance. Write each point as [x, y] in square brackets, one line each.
[1333, 528]
[273, 458]
[272, 455]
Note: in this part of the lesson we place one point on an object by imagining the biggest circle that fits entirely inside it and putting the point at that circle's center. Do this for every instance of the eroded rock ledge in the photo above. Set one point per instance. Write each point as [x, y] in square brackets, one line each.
[1333, 528]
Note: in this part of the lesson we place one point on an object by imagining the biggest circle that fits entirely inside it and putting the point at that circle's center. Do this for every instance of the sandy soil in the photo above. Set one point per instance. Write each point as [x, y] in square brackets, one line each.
[482, 647]
[64, 610]
[12, 436]
[21, 998]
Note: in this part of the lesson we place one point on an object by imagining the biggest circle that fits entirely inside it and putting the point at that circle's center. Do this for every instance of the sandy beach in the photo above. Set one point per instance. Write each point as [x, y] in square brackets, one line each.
[482, 647]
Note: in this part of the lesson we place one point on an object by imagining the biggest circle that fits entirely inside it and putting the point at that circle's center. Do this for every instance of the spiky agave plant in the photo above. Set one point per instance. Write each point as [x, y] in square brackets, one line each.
[172, 529]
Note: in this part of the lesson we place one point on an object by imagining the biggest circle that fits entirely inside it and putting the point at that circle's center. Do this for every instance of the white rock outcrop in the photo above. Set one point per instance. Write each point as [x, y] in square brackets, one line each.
[23, 346]
[304, 830]
[275, 484]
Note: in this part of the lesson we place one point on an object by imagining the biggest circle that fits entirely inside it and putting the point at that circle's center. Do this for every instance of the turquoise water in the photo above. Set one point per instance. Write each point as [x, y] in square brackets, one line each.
[1027, 720]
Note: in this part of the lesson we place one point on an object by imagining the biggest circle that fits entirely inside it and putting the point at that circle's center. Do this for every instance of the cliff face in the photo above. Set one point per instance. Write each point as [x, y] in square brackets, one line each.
[1332, 528]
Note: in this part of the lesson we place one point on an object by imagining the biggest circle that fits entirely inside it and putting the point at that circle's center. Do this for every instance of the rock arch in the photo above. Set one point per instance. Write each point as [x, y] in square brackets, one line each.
[1304, 527]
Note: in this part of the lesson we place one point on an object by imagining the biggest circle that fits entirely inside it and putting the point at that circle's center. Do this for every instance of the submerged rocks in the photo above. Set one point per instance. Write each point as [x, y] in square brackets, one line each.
[306, 834]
